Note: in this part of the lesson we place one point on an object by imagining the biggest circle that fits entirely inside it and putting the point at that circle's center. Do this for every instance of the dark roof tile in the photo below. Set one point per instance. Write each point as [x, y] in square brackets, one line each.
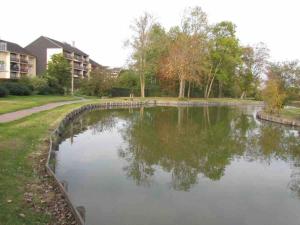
[15, 48]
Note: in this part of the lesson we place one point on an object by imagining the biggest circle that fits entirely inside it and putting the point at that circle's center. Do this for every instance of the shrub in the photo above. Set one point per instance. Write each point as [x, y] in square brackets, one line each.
[3, 92]
[27, 81]
[273, 96]
[17, 88]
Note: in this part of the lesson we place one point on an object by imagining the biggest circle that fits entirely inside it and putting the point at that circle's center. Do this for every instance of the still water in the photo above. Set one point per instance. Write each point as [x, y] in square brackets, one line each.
[181, 166]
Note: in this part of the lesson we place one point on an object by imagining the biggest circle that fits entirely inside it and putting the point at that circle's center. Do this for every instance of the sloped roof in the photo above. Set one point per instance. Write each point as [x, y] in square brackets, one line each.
[67, 47]
[95, 64]
[13, 47]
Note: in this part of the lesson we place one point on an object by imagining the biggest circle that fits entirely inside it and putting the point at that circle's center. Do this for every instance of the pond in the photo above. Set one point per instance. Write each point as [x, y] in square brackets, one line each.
[181, 166]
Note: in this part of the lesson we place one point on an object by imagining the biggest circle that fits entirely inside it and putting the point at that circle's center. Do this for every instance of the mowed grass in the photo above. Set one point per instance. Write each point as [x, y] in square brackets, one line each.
[19, 141]
[292, 113]
[15, 103]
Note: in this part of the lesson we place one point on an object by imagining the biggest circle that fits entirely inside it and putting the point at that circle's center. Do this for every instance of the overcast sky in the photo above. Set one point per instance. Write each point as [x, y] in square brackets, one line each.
[100, 28]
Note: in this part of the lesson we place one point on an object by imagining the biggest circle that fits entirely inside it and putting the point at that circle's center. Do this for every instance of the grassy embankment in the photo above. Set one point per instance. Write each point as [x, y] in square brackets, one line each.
[22, 143]
[291, 113]
[14, 103]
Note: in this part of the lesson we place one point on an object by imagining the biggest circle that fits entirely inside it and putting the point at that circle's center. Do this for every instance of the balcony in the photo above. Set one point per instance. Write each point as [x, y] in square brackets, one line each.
[78, 67]
[24, 70]
[78, 57]
[68, 55]
[14, 59]
[85, 60]
[14, 68]
[24, 60]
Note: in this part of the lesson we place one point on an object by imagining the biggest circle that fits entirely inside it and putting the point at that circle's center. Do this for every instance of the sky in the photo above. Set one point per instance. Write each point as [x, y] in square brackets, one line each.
[101, 27]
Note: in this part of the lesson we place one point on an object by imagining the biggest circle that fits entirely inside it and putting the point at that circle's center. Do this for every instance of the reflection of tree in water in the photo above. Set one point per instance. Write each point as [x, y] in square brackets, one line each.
[189, 142]
[204, 141]
[98, 121]
[294, 183]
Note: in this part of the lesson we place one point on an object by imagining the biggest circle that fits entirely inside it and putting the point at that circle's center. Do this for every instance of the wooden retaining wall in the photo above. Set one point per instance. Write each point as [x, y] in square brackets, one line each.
[265, 116]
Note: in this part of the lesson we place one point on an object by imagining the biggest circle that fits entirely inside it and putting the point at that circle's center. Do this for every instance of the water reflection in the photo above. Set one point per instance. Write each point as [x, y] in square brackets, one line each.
[195, 152]
[203, 141]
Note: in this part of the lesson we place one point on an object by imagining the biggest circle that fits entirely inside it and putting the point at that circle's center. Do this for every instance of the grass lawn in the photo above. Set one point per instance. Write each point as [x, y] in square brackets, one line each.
[21, 142]
[14, 103]
[292, 113]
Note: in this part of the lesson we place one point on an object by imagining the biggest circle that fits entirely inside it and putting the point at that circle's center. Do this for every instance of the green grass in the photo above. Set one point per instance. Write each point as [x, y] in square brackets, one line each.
[292, 113]
[19, 141]
[15, 103]
[17, 146]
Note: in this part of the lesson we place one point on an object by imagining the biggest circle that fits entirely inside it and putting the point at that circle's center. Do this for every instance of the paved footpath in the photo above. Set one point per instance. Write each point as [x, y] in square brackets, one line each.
[8, 117]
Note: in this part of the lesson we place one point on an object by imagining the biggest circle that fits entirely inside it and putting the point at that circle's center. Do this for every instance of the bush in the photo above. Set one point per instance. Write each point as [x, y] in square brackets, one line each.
[273, 96]
[27, 81]
[3, 92]
[17, 88]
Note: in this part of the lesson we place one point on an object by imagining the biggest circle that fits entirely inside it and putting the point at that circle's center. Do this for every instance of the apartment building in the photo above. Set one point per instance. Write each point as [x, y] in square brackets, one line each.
[44, 48]
[15, 61]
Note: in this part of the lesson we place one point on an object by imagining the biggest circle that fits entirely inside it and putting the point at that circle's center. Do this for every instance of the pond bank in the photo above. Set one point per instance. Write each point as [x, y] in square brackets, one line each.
[78, 211]
[24, 150]
[277, 119]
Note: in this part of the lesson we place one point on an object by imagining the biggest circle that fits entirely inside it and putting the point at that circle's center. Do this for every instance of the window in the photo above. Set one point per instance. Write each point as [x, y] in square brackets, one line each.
[3, 46]
[2, 65]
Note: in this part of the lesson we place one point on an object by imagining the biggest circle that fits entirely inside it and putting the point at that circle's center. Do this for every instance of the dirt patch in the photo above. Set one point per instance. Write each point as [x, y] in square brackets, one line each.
[44, 195]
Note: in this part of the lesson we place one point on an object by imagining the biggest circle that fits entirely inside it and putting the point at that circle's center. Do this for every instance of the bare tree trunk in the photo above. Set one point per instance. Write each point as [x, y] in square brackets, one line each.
[210, 83]
[181, 88]
[243, 95]
[210, 86]
[220, 89]
[142, 80]
[189, 90]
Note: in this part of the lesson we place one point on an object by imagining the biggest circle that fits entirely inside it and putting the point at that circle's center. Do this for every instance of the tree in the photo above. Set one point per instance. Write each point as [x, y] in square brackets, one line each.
[99, 84]
[176, 64]
[187, 56]
[140, 45]
[288, 74]
[253, 67]
[225, 55]
[273, 95]
[58, 72]
[128, 79]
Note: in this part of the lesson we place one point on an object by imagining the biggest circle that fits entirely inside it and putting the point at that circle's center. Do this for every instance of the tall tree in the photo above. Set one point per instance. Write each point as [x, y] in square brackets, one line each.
[225, 55]
[253, 67]
[140, 44]
[59, 71]
[288, 74]
[186, 61]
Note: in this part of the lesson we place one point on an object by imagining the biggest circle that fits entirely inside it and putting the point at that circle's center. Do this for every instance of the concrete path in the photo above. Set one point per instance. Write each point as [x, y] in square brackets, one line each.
[8, 117]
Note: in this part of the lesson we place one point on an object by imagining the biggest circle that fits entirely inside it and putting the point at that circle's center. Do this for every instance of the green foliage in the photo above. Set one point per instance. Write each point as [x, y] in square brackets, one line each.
[26, 81]
[128, 79]
[3, 92]
[225, 52]
[58, 73]
[288, 74]
[273, 96]
[99, 84]
[16, 88]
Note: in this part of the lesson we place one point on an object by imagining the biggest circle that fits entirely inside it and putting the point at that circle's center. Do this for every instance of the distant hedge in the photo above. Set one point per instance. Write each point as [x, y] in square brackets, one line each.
[3, 92]
[15, 88]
